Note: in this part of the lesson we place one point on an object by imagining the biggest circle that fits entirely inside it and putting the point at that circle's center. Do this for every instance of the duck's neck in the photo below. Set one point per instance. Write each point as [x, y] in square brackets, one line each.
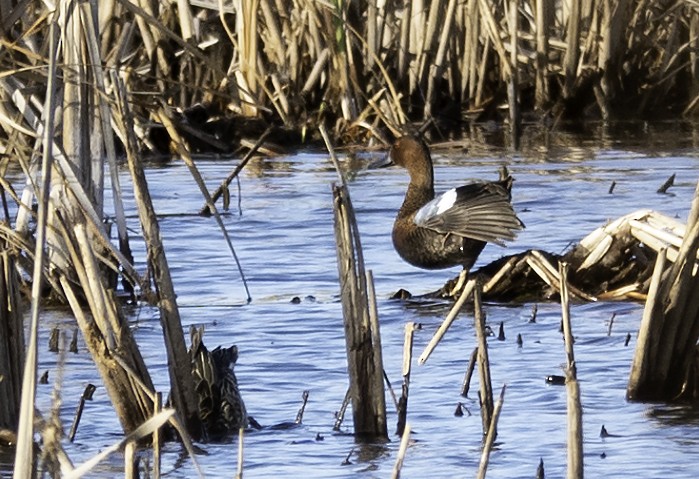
[420, 191]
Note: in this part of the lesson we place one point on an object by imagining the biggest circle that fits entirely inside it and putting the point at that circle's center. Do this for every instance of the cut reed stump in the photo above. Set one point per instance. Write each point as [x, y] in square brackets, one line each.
[665, 364]
[363, 359]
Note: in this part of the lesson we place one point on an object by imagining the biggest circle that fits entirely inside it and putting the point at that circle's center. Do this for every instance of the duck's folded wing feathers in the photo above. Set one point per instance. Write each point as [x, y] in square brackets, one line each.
[480, 211]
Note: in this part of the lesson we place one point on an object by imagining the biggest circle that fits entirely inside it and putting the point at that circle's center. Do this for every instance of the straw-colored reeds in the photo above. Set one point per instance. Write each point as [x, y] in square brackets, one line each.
[365, 66]
[360, 318]
[614, 262]
[665, 362]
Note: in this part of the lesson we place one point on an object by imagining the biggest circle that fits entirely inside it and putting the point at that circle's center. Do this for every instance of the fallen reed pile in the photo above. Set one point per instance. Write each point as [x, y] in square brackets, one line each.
[228, 70]
[614, 262]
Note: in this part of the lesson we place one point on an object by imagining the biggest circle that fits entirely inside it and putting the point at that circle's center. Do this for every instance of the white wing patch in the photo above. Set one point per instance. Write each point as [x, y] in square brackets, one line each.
[436, 207]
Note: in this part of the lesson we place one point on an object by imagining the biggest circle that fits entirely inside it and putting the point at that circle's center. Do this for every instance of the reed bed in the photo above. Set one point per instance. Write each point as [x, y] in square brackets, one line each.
[228, 70]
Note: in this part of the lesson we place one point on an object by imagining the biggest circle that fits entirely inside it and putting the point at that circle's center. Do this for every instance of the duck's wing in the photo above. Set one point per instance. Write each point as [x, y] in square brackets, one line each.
[480, 211]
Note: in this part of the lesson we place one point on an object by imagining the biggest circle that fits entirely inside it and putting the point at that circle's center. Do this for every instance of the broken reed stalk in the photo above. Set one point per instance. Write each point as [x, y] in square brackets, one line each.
[491, 435]
[664, 362]
[340, 415]
[486, 388]
[365, 375]
[85, 396]
[106, 332]
[183, 394]
[543, 7]
[304, 402]
[469, 372]
[404, 442]
[444, 327]
[575, 432]
[410, 328]
[183, 152]
[223, 187]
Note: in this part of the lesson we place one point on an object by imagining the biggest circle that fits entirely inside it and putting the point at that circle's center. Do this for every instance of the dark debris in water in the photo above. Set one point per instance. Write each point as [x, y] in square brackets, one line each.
[556, 380]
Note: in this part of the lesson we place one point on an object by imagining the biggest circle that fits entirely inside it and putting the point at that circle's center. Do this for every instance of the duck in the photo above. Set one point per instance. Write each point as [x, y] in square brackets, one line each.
[451, 229]
[221, 407]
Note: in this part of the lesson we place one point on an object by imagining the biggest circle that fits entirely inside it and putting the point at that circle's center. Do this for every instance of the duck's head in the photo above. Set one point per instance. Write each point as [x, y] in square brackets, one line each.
[411, 153]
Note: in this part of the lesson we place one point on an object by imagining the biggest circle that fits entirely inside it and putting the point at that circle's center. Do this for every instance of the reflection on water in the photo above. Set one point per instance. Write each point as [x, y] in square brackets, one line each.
[284, 238]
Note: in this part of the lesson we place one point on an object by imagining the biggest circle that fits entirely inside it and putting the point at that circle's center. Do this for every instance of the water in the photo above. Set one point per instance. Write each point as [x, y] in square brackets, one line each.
[283, 234]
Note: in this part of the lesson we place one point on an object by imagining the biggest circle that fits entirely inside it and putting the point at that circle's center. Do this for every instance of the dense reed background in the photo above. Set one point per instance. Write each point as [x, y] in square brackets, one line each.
[231, 68]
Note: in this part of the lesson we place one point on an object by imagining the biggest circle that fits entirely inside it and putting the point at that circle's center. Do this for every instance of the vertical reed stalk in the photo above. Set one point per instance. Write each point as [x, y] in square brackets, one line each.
[366, 379]
[490, 436]
[11, 343]
[404, 442]
[241, 442]
[183, 394]
[572, 49]
[404, 45]
[543, 7]
[157, 409]
[649, 332]
[575, 432]
[130, 461]
[665, 352]
[371, 35]
[513, 84]
[24, 455]
[107, 136]
[486, 388]
[407, 362]
[437, 68]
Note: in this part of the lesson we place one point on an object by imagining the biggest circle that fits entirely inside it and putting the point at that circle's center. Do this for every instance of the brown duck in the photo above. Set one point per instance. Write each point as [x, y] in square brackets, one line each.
[451, 229]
